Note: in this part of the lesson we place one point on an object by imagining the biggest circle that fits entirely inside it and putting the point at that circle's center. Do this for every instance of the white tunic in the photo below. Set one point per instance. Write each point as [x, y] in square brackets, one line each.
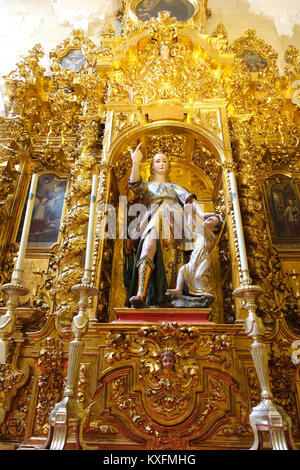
[197, 272]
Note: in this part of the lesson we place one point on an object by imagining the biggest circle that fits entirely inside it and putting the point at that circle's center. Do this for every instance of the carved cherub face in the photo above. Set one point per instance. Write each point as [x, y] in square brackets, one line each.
[168, 360]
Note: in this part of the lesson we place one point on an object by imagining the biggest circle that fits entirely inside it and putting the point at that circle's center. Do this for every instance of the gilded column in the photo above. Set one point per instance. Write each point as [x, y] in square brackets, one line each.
[103, 244]
[66, 419]
[74, 227]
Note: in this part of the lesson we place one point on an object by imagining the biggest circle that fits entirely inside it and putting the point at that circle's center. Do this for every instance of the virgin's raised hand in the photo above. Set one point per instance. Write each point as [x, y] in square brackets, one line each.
[136, 155]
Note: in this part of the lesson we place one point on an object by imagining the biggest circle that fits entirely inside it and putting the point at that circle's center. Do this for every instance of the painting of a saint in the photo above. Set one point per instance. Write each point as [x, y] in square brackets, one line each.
[278, 213]
[180, 9]
[253, 61]
[47, 211]
[292, 217]
[284, 209]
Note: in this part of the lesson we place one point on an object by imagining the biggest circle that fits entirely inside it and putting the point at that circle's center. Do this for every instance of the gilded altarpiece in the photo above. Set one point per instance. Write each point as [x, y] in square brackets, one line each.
[230, 124]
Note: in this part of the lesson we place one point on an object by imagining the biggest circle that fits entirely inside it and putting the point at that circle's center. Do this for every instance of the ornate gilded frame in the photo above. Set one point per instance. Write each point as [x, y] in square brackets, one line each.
[280, 243]
[34, 247]
[134, 3]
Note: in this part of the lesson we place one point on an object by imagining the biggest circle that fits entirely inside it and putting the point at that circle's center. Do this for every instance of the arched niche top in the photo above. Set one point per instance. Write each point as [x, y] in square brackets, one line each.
[199, 132]
[196, 157]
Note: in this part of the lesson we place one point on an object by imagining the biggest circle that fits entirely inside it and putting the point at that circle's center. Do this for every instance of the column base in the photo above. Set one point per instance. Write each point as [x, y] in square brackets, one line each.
[270, 418]
[65, 433]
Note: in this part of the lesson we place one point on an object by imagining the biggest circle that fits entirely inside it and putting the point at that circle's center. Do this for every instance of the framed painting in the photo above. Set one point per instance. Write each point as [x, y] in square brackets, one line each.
[282, 197]
[183, 10]
[47, 212]
[253, 61]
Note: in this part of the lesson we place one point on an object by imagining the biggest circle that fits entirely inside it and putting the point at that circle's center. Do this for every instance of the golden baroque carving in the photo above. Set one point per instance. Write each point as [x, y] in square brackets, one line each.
[173, 145]
[7, 266]
[74, 227]
[204, 159]
[10, 380]
[221, 38]
[264, 264]
[14, 425]
[50, 108]
[104, 246]
[262, 96]
[24, 84]
[251, 42]
[282, 378]
[76, 41]
[292, 58]
[168, 369]
[168, 336]
[51, 366]
[82, 384]
[165, 67]
[123, 121]
[123, 164]
[248, 80]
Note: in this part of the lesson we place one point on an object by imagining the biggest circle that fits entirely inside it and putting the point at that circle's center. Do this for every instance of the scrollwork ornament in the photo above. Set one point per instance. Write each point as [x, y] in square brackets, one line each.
[11, 379]
[50, 382]
[164, 68]
[169, 363]
[229, 166]
[292, 58]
